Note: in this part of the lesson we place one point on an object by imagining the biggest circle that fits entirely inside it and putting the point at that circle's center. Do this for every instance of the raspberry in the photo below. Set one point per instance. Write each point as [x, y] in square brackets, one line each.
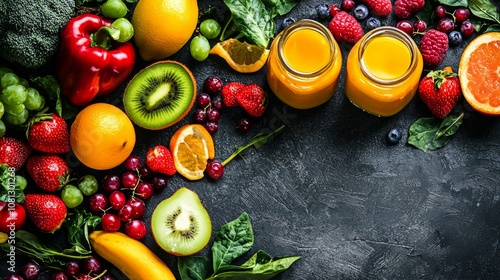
[381, 8]
[406, 8]
[345, 28]
[433, 46]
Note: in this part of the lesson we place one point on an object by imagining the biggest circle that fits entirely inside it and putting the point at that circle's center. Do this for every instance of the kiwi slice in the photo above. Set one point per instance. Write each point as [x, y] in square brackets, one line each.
[160, 95]
[180, 224]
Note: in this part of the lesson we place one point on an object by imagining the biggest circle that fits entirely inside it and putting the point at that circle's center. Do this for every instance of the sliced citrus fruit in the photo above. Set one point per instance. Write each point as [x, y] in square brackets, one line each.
[479, 73]
[241, 56]
[192, 146]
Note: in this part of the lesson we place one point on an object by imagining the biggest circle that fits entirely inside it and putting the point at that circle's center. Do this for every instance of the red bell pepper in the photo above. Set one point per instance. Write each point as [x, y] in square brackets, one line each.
[89, 62]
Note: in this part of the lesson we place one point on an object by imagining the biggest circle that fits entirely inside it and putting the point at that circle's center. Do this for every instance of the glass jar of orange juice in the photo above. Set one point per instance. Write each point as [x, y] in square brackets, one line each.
[383, 71]
[304, 64]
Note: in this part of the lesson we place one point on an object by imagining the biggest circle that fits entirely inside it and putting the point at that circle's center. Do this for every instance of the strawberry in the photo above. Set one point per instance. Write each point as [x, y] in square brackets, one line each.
[252, 98]
[229, 92]
[381, 8]
[13, 152]
[47, 211]
[49, 133]
[405, 8]
[159, 159]
[50, 172]
[345, 28]
[433, 46]
[440, 90]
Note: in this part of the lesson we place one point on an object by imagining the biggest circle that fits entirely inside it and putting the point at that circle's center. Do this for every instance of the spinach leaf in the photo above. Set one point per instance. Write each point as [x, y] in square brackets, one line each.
[252, 20]
[484, 9]
[194, 267]
[78, 224]
[433, 133]
[280, 7]
[231, 241]
[455, 3]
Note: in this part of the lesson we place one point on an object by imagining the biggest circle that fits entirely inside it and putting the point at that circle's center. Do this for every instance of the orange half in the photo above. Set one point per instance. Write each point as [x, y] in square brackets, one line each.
[192, 146]
[479, 73]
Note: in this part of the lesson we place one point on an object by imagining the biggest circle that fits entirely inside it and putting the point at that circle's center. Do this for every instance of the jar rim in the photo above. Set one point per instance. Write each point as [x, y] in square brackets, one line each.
[318, 27]
[394, 33]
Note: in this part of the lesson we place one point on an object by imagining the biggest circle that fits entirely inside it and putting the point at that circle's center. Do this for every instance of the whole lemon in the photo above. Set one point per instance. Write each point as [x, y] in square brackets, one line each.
[163, 27]
[102, 136]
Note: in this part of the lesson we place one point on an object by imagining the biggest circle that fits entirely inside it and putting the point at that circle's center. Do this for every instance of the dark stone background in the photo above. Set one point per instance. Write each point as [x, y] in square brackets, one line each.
[328, 189]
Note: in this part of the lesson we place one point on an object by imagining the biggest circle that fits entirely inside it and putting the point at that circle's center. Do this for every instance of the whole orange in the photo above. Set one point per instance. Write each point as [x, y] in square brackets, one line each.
[102, 136]
[163, 27]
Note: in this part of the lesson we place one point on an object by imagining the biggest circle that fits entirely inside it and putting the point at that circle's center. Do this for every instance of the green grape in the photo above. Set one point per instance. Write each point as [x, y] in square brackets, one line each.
[33, 100]
[114, 9]
[14, 109]
[24, 82]
[2, 110]
[14, 94]
[199, 48]
[4, 70]
[42, 104]
[21, 182]
[210, 28]
[88, 185]
[9, 79]
[71, 196]
[126, 29]
[3, 129]
[17, 119]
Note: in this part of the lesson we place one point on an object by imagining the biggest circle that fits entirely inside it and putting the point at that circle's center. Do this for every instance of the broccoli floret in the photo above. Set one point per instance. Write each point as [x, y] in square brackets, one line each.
[29, 30]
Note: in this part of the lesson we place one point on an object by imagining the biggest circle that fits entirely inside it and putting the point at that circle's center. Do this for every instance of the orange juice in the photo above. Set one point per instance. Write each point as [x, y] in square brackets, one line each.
[383, 71]
[304, 64]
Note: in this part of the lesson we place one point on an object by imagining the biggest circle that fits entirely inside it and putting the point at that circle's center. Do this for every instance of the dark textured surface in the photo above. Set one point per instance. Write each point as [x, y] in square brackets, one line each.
[330, 190]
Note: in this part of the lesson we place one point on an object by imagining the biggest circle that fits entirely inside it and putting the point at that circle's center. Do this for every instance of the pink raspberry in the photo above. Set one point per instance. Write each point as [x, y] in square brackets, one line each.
[345, 28]
[381, 8]
[406, 8]
[433, 47]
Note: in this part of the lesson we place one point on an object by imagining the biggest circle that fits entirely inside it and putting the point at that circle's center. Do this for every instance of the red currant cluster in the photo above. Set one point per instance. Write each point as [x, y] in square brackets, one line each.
[209, 104]
[87, 269]
[122, 197]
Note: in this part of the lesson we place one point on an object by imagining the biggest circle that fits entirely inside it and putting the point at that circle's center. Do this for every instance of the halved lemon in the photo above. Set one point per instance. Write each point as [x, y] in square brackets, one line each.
[241, 56]
[479, 73]
[192, 146]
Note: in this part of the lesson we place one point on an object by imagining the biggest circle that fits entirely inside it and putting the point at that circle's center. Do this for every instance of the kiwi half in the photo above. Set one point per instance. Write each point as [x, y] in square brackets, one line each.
[160, 95]
[180, 224]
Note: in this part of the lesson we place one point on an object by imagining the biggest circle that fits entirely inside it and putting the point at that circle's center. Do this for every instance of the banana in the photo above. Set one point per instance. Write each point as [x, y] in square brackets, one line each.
[130, 256]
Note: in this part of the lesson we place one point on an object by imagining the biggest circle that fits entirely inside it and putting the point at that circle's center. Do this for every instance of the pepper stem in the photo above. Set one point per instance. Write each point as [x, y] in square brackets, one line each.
[103, 36]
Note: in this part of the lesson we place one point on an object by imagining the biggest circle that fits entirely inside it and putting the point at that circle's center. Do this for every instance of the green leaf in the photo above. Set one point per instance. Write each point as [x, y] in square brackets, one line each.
[259, 267]
[253, 20]
[454, 3]
[493, 28]
[280, 7]
[432, 133]
[484, 9]
[193, 267]
[231, 241]
[50, 87]
[78, 224]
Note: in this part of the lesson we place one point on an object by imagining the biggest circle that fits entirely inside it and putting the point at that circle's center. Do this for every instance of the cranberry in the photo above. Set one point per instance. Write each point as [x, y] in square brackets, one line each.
[461, 14]
[405, 26]
[347, 5]
[215, 169]
[132, 163]
[203, 100]
[440, 11]
[211, 127]
[213, 84]
[467, 28]
[136, 229]
[419, 26]
[244, 124]
[445, 25]
[110, 222]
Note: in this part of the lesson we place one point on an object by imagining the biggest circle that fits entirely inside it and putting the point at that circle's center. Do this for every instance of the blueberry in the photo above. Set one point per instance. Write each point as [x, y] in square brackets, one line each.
[372, 23]
[287, 21]
[455, 37]
[323, 11]
[393, 136]
[360, 12]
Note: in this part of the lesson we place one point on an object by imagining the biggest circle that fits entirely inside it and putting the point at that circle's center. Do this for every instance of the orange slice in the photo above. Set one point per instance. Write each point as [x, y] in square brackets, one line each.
[241, 56]
[479, 73]
[192, 146]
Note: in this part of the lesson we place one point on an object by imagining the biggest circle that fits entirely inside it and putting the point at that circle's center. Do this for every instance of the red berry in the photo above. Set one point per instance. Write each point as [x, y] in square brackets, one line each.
[381, 8]
[334, 9]
[132, 163]
[98, 202]
[467, 28]
[403, 9]
[144, 190]
[126, 213]
[347, 5]
[229, 92]
[419, 26]
[213, 84]
[111, 182]
[461, 14]
[345, 28]
[244, 124]
[214, 169]
[445, 25]
[405, 26]
[440, 11]
[136, 229]
[110, 222]
[203, 100]
[138, 207]
[117, 199]
[129, 179]
[211, 127]
[433, 46]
